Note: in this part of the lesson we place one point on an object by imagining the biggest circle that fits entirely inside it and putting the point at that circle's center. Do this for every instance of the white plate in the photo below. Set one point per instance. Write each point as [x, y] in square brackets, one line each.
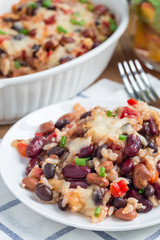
[12, 169]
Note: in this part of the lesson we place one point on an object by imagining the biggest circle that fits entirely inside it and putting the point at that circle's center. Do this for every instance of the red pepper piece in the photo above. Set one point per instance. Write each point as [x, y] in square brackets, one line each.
[53, 135]
[128, 112]
[132, 101]
[119, 188]
[50, 20]
[39, 134]
[21, 147]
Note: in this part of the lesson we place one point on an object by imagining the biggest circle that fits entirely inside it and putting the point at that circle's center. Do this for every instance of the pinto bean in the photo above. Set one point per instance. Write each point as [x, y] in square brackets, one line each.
[108, 165]
[128, 217]
[30, 183]
[47, 127]
[68, 116]
[94, 179]
[141, 176]
[120, 156]
[66, 40]
[5, 66]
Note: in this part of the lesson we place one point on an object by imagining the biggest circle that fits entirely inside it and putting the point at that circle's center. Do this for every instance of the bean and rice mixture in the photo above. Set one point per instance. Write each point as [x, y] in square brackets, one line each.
[41, 34]
[98, 163]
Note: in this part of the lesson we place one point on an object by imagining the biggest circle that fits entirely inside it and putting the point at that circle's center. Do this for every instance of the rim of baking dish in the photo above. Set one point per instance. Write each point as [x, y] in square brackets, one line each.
[53, 71]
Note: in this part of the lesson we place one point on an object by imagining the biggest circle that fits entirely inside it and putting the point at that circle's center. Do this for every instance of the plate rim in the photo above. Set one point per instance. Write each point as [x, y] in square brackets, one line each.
[60, 220]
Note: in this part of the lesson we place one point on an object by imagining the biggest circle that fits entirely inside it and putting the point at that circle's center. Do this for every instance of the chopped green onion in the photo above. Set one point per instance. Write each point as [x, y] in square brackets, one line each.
[75, 22]
[109, 114]
[2, 32]
[81, 161]
[113, 25]
[97, 212]
[141, 190]
[24, 31]
[83, 1]
[122, 137]
[47, 3]
[61, 29]
[90, 7]
[63, 141]
[102, 172]
[76, 14]
[17, 64]
[32, 5]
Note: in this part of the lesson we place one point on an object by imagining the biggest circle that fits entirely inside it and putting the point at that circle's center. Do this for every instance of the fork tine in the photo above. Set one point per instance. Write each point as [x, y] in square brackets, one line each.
[125, 81]
[133, 82]
[140, 82]
[145, 79]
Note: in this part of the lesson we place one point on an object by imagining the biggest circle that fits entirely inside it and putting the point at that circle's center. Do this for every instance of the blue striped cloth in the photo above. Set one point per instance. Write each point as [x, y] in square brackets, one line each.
[18, 222]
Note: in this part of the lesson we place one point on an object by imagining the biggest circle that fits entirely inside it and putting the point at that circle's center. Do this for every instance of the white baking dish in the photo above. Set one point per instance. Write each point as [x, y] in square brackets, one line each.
[24, 94]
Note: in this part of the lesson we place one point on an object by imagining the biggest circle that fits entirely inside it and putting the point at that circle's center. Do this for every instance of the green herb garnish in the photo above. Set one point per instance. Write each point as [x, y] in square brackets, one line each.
[141, 190]
[91, 7]
[97, 212]
[47, 3]
[102, 171]
[122, 137]
[110, 114]
[83, 1]
[17, 64]
[32, 5]
[63, 142]
[2, 32]
[61, 29]
[75, 22]
[113, 25]
[24, 31]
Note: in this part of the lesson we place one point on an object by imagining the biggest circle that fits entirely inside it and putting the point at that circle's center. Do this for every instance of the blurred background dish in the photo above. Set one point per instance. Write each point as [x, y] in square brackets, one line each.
[21, 95]
[144, 30]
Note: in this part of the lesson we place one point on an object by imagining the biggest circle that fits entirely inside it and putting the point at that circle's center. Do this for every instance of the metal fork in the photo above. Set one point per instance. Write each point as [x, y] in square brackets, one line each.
[137, 83]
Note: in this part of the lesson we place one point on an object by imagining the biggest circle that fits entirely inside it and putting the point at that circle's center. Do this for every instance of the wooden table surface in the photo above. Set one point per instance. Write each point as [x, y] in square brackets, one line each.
[123, 52]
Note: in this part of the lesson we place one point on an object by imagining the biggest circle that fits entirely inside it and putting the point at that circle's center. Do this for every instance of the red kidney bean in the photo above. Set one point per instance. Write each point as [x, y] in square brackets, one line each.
[86, 151]
[56, 151]
[97, 153]
[32, 163]
[119, 202]
[148, 204]
[158, 166]
[153, 127]
[35, 147]
[89, 33]
[47, 127]
[75, 172]
[157, 190]
[149, 191]
[127, 166]
[134, 194]
[133, 145]
[65, 59]
[96, 44]
[60, 205]
[49, 170]
[43, 192]
[76, 183]
[86, 114]
[100, 9]
[49, 45]
[153, 146]
[32, 33]
[97, 197]
[66, 40]
[145, 131]
[61, 123]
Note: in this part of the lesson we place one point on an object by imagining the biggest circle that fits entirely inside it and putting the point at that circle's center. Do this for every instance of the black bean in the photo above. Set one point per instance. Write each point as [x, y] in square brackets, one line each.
[51, 8]
[65, 59]
[17, 26]
[153, 127]
[119, 202]
[43, 192]
[56, 151]
[60, 205]
[153, 146]
[145, 131]
[61, 123]
[49, 170]
[97, 197]
[97, 153]
[148, 206]
[86, 114]
[18, 37]
[149, 191]
[35, 49]
[2, 52]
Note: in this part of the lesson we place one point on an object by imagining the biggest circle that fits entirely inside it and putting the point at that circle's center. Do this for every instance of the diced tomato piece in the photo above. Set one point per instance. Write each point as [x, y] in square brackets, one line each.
[154, 175]
[69, 11]
[21, 147]
[50, 20]
[53, 135]
[39, 134]
[128, 112]
[119, 188]
[132, 101]
[3, 38]
[49, 53]
[56, 1]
